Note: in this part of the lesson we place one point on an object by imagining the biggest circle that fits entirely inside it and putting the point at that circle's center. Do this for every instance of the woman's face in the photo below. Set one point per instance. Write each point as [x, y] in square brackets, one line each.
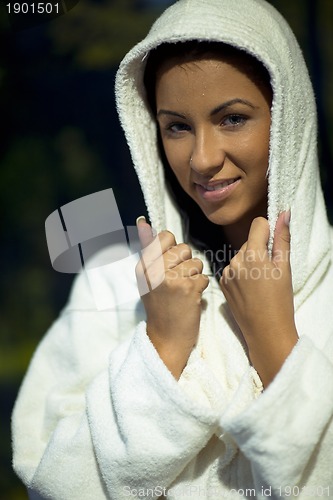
[214, 123]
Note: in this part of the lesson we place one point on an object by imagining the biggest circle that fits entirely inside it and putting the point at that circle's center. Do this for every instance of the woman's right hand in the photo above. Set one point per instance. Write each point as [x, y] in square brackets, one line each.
[173, 304]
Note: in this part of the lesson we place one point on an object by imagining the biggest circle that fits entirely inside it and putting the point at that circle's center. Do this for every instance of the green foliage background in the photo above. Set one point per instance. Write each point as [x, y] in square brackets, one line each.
[45, 163]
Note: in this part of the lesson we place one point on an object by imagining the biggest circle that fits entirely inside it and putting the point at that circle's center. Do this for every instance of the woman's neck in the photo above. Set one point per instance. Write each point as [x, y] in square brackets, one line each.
[237, 234]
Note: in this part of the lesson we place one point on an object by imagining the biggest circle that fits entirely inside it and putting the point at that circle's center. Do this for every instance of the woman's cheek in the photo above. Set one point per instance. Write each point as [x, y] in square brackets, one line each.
[176, 158]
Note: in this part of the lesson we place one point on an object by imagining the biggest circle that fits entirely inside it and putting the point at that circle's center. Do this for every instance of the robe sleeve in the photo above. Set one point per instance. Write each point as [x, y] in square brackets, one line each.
[98, 416]
[287, 433]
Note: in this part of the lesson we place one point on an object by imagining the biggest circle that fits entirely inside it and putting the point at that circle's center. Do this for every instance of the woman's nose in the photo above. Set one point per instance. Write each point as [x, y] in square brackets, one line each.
[208, 154]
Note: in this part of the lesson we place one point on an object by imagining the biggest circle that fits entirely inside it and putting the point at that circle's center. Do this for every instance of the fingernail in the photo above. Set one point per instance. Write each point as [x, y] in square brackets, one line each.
[140, 218]
[287, 216]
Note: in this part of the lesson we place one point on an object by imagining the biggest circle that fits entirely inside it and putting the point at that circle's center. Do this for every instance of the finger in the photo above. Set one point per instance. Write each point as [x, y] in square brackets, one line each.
[239, 257]
[185, 269]
[153, 258]
[281, 243]
[189, 268]
[157, 249]
[202, 282]
[146, 238]
[176, 255]
[258, 235]
[145, 231]
[223, 282]
[227, 275]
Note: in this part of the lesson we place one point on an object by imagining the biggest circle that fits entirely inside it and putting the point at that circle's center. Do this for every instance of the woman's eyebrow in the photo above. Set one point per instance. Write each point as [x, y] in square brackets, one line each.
[216, 110]
[227, 104]
[172, 113]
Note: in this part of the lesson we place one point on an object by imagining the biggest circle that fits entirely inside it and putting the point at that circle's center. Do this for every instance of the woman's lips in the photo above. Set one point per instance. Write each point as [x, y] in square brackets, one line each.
[218, 190]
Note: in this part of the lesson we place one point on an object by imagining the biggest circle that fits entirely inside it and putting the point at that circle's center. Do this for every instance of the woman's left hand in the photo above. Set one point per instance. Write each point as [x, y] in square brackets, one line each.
[258, 289]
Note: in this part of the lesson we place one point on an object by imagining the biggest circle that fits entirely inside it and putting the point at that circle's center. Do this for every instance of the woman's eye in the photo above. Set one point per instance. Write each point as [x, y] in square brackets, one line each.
[176, 128]
[234, 120]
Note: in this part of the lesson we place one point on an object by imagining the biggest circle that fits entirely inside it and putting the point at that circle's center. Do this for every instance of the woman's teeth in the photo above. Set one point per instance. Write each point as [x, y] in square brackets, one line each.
[217, 187]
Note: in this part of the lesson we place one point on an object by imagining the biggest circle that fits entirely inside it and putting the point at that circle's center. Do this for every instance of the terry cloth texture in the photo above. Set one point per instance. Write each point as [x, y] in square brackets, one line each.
[99, 415]
[257, 28]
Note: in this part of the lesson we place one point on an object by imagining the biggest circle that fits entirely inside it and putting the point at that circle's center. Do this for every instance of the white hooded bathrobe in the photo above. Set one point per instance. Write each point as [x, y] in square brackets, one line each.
[100, 416]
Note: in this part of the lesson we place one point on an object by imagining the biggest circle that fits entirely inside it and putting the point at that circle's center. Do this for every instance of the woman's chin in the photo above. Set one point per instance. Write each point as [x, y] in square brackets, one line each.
[220, 218]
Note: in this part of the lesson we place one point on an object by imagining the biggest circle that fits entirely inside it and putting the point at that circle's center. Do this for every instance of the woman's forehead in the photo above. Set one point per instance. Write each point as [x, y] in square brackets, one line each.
[211, 75]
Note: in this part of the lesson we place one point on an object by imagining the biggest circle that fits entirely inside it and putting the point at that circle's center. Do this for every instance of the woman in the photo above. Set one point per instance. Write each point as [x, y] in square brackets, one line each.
[164, 397]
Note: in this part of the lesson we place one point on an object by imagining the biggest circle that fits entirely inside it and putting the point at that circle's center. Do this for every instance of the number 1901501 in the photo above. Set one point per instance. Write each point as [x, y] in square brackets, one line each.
[33, 8]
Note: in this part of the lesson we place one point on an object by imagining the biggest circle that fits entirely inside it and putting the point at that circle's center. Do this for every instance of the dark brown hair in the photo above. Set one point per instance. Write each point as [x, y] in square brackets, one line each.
[195, 49]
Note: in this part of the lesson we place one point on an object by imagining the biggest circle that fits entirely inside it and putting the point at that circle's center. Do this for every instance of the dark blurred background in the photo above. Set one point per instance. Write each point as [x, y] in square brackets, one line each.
[60, 140]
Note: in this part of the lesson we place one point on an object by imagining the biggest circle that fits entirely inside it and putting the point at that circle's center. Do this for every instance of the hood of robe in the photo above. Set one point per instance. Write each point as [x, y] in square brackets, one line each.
[293, 174]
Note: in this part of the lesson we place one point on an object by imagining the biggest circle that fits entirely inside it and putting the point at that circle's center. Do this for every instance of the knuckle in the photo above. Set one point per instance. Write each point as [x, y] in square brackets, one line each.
[235, 263]
[171, 274]
[200, 278]
[172, 255]
[194, 261]
[168, 237]
[205, 279]
[285, 237]
[225, 276]
[259, 223]
[197, 264]
[259, 220]
[254, 256]
[171, 277]
[185, 250]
